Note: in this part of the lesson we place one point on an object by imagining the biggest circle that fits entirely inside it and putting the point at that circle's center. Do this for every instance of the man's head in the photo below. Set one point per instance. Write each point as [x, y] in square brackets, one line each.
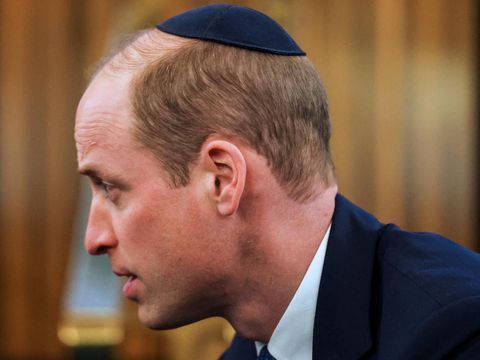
[178, 135]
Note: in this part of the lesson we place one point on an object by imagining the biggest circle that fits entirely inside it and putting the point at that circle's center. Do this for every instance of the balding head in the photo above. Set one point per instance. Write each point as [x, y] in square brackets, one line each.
[137, 50]
[185, 90]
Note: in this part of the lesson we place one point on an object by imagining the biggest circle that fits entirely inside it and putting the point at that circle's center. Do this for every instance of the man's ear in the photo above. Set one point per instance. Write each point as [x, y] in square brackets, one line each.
[226, 167]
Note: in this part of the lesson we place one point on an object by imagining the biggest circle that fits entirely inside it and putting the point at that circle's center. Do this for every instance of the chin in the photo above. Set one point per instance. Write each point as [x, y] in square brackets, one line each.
[163, 320]
[154, 320]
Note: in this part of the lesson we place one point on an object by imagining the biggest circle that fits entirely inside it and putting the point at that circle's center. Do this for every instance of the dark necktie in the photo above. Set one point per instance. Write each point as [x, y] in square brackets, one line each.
[265, 355]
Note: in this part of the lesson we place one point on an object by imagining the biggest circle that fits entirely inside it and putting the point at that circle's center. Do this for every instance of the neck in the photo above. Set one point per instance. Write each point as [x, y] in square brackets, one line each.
[275, 257]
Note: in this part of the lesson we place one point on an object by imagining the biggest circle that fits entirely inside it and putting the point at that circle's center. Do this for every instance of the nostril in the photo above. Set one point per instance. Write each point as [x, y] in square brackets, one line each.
[97, 246]
[101, 250]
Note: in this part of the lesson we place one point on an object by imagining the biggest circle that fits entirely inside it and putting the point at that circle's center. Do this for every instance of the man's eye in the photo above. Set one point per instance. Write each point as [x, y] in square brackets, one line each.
[109, 191]
[106, 187]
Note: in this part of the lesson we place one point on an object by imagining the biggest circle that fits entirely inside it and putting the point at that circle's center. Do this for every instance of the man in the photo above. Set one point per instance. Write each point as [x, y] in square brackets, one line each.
[206, 141]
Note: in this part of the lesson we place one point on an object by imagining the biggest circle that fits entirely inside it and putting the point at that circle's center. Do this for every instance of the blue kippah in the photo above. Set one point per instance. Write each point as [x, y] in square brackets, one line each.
[235, 26]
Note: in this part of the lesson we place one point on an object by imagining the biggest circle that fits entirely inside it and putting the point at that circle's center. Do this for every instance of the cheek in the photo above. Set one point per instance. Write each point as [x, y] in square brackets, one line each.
[138, 231]
[169, 225]
[150, 226]
[141, 227]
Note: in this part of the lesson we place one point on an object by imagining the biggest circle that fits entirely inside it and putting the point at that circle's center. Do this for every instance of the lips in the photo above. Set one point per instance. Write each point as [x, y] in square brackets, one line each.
[129, 287]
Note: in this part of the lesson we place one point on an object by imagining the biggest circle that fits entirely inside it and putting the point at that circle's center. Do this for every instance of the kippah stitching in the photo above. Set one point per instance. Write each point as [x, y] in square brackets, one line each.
[215, 17]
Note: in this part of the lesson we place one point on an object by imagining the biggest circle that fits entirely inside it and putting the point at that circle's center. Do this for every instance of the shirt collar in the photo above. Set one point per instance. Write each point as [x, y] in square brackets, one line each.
[293, 336]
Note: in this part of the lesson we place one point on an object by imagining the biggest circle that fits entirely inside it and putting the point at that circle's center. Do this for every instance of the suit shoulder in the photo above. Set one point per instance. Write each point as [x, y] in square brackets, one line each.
[444, 270]
[452, 332]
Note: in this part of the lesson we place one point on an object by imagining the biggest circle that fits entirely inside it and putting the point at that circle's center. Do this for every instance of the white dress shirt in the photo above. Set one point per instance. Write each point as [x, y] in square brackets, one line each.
[292, 339]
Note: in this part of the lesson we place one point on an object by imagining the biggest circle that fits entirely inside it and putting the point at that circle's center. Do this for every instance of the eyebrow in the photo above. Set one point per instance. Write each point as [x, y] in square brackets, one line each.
[96, 174]
[90, 173]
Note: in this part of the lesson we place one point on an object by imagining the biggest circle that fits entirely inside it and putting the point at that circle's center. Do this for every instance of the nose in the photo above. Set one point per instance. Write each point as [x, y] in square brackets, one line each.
[100, 237]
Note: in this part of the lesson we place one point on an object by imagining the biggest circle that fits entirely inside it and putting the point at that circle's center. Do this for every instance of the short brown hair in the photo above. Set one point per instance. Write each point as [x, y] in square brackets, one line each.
[276, 104]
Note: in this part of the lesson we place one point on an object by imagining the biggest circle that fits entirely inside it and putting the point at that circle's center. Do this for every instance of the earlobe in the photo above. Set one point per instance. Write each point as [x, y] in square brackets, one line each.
[227, 164]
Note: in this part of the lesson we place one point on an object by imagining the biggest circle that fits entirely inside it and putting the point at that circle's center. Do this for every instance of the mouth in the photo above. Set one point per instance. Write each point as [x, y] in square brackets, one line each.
[129, 286]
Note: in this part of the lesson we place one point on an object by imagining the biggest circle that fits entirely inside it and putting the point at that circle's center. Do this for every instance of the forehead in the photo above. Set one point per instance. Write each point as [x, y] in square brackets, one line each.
[106, 102]
[104, 113]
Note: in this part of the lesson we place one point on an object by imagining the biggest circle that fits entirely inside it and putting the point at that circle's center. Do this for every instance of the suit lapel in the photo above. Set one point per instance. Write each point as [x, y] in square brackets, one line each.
[342, 320]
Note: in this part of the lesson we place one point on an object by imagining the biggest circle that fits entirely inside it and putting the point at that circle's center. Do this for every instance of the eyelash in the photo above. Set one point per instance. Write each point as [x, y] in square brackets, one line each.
[104, 186]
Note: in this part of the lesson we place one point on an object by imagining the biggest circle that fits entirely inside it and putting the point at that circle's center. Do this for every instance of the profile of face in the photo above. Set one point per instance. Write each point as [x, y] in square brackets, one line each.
[168, 242]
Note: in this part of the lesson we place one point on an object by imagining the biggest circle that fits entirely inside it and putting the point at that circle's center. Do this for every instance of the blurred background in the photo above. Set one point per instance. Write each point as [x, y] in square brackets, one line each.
[403, 82]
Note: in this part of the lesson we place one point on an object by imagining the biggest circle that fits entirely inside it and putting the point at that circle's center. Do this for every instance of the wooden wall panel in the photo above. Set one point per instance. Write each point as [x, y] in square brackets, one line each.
[14, 153]
[401, 78]
[389, 86]
[441, 120]
[426, 118]
[44, 49]
[65, 54]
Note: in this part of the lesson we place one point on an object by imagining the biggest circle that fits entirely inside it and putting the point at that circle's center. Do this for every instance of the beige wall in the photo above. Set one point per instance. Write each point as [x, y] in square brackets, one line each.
[401, 77]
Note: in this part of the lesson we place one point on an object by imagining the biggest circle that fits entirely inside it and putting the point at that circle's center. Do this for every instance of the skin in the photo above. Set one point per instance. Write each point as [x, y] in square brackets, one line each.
[231, 243]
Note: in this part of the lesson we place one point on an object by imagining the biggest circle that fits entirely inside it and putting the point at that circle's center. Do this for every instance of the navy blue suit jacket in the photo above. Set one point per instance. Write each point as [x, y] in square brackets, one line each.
[390, 294]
